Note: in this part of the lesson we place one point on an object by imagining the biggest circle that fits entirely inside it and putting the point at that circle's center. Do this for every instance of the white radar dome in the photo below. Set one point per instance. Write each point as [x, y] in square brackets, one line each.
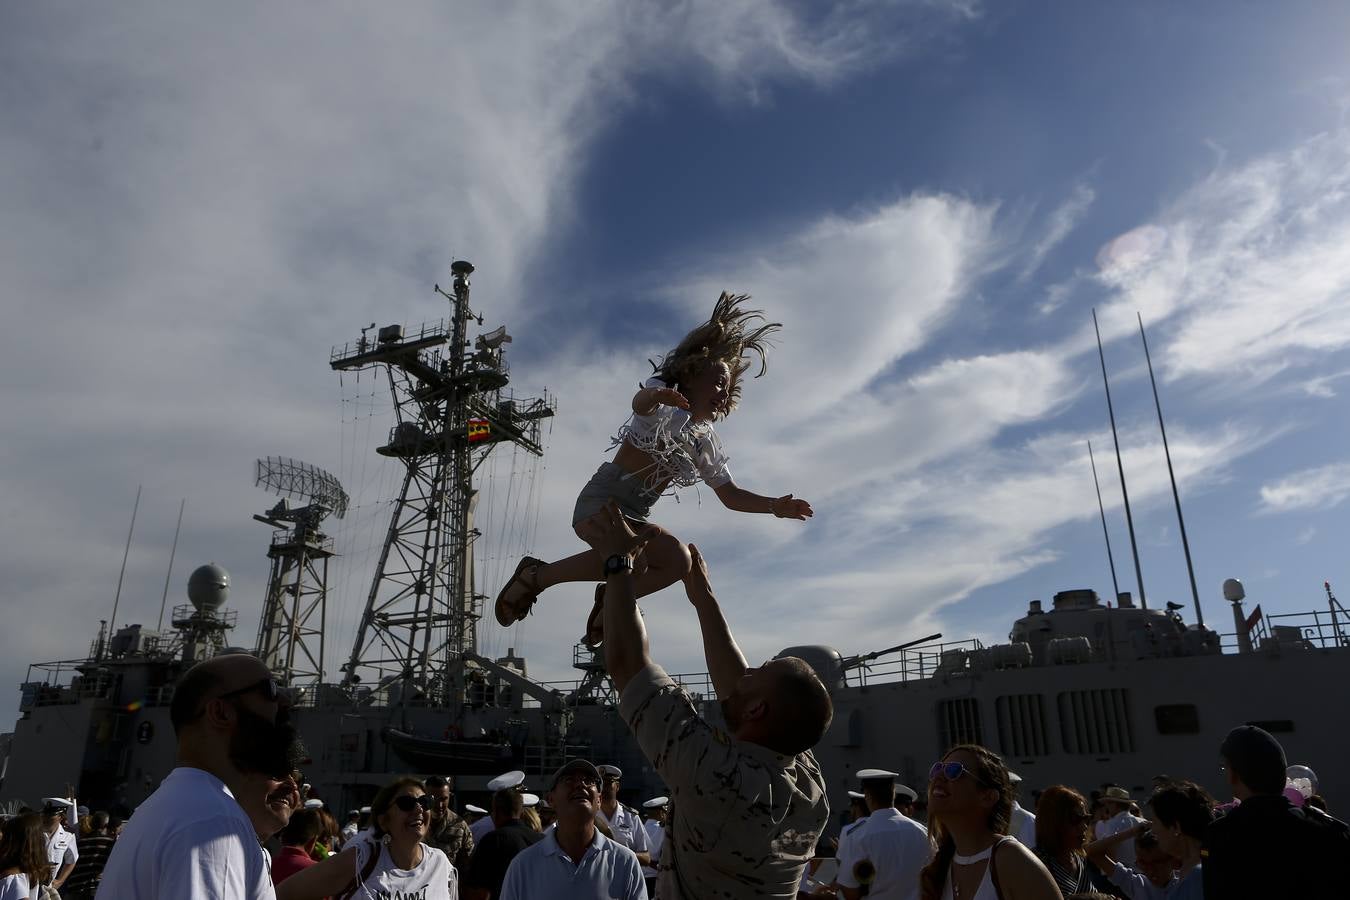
[1233, 591]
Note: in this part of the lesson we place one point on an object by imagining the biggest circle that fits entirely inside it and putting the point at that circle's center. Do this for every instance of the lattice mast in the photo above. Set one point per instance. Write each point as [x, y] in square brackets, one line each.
[291, 629]
[421, 612]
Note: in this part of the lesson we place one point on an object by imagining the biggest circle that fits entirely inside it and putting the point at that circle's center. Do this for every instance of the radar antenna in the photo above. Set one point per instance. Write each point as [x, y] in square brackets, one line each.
[419, 630]
[291, 630]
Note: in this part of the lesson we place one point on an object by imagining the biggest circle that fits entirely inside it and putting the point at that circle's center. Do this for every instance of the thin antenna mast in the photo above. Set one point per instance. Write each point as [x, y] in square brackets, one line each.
[1129, 518]
[125, 553]
[169, 574]
[1176, 497]
[1115, 585]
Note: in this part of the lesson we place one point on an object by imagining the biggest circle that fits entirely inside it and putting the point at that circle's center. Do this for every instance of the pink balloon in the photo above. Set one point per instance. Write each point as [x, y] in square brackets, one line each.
[1295, 795]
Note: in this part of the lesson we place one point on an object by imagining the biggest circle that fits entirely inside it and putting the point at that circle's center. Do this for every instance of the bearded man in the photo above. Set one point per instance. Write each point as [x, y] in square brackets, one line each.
[194, 837]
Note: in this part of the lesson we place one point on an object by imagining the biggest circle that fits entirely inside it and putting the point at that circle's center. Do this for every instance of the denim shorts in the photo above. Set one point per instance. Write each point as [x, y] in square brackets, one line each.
[611, 482]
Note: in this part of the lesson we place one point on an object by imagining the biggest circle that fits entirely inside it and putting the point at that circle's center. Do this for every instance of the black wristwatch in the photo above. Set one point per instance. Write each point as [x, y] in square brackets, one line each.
[618, 563]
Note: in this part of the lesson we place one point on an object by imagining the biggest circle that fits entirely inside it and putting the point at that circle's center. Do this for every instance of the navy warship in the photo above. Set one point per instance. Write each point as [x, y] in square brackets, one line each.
[1083, 692]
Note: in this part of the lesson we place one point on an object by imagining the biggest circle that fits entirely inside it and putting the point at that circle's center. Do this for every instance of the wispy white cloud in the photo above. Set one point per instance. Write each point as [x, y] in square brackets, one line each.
[1059, 225]
[749, 44]
[1322, 386]
[1322, 487]
[1251, 265]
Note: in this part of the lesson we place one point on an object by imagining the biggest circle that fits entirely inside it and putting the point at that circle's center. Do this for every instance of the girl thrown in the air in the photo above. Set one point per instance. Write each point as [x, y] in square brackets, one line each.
[668, 442]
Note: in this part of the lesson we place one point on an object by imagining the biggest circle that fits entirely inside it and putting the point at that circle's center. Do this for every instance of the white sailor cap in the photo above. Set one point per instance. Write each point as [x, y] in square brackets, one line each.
[869, 774]
[530, 799]
[53, 805]
[905, 790]
[656, 803]
[354, 812]
[513, 779]
[365, 810]
[855, 795]
[313, 803]
[1014, 777]
[476, 810]
[611, 771]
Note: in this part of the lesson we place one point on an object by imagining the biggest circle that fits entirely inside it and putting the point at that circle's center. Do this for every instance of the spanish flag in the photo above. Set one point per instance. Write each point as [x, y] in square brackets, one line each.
[478, 431]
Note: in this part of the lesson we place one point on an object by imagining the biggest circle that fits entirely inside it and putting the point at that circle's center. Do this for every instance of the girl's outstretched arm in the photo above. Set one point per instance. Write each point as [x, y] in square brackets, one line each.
[740, 500]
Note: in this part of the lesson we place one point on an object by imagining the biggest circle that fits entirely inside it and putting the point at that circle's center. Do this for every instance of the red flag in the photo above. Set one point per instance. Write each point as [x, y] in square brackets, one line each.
[1253, 618]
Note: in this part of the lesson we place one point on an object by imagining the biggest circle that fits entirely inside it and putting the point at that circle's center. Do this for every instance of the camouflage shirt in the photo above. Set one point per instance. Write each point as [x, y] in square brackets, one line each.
[453, 838]
[744, 820]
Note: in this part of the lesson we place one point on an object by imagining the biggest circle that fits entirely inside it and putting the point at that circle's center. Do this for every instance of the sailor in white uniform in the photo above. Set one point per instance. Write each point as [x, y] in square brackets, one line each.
[1023, 824]
[623, 821]
[476, 827]
[656, 836]
[887, 853]
[506, 781]
[61, 850]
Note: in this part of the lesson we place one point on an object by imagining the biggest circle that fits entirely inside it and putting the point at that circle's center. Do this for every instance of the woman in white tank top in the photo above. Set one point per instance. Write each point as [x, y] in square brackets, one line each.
[388, 860]
[969, 807]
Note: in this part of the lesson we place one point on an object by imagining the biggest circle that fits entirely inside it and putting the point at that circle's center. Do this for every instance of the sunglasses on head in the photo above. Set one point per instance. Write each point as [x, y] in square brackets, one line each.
[952, 771]
[268, 686]
[407, 802]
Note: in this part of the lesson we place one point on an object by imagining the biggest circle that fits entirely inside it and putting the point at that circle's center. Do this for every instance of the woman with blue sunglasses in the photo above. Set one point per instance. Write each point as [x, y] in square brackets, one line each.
[970, 801]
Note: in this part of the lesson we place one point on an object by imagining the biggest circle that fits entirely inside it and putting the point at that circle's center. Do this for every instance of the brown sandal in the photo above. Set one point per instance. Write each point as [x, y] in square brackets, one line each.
[595, 622]
[517, 599]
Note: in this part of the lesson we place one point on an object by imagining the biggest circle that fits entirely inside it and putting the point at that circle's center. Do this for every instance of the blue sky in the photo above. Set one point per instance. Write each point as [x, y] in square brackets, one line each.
[931, 196]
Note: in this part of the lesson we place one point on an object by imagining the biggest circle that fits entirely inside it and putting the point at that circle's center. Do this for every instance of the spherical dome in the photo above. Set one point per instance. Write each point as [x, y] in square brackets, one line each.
[208, 588]
[1232, 590]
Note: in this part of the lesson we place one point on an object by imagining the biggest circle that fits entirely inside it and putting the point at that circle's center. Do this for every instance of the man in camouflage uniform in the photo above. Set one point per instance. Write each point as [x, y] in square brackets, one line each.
[748, 802]
[448, 833]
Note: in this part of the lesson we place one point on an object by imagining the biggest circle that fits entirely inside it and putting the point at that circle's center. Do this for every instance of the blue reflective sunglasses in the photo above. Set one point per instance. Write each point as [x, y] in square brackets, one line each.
[952, 771]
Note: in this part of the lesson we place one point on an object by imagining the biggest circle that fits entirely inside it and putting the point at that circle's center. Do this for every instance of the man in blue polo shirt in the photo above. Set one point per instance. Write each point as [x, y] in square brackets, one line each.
[575, 861]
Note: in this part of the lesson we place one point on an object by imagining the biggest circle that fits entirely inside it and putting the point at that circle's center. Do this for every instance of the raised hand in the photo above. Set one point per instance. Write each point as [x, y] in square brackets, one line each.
[669, 397]
[789, 507]
[696, 583]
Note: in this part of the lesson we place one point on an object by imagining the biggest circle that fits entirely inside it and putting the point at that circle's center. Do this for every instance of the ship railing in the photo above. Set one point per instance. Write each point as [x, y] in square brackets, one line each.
[99, 686]
[1319, 629]
[952, 659]
[697, 684]
[426, 331]
[287, 537]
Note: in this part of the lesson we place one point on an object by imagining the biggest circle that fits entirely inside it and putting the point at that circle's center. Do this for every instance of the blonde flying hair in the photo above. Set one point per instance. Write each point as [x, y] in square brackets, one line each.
[729, 336]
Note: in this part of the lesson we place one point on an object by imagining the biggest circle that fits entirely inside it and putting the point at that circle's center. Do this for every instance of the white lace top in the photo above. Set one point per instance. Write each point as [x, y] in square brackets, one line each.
[683, 452]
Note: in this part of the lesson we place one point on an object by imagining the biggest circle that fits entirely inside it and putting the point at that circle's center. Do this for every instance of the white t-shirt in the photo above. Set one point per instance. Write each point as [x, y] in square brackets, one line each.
[15, 887]
[434, 878]
[190, 838]
[898, 848]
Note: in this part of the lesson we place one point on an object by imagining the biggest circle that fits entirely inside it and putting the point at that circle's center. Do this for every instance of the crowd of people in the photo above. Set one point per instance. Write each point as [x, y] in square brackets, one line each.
[747, 814]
